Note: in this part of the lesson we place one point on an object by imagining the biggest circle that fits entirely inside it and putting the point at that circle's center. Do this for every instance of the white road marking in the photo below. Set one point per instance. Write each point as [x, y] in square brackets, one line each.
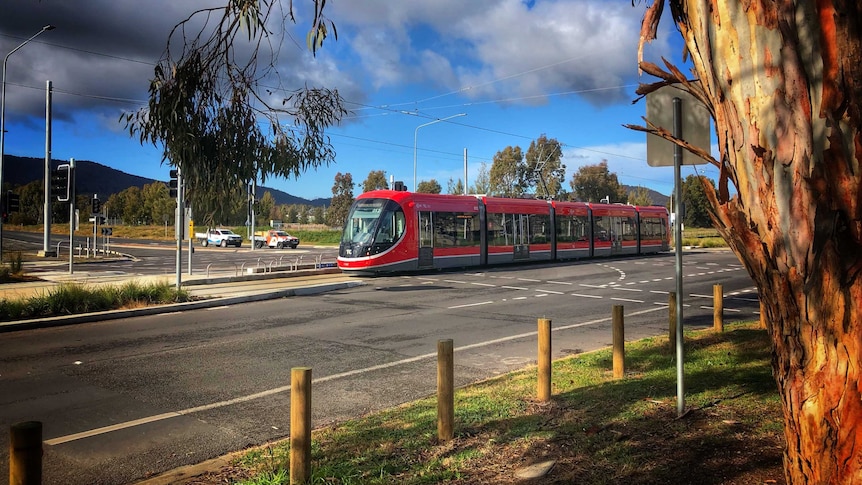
[587, 296]
[552, 291]
[278, 390]
[529, 279]
[592, 286]
[218, 307]
[514, 288]
[484, 284]
[628, 289]
[560, 283]
[470, 304]
[628, 300]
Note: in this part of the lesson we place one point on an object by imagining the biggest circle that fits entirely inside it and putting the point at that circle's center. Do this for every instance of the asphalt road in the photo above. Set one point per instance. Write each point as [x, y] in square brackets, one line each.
[127, 399]
[159, 257]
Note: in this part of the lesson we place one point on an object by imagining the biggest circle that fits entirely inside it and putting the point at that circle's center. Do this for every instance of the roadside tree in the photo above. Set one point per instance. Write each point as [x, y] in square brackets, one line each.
[455, 187]
[292, 215]
[429, 187]
[783, 83]
[482, 182]
[697, 206]
[592, 183]
[319, 214]
[158, 204]
[265, 209]
[342, 199]
[213, 113]
[544, 172]
[507, 171]
[376, 181]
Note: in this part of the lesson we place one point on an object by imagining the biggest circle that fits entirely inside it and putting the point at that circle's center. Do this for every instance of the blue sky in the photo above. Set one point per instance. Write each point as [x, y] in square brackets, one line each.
[517, 70]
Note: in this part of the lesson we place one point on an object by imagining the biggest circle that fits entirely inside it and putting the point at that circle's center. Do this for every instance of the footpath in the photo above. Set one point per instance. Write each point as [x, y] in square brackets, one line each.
[206, 290]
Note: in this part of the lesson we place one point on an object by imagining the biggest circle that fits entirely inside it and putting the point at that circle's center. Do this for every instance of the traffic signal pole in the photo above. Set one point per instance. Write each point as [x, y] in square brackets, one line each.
[71, 212]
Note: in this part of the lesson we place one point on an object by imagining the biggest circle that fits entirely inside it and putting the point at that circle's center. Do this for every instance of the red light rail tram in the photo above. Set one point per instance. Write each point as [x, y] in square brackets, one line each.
[399, 231]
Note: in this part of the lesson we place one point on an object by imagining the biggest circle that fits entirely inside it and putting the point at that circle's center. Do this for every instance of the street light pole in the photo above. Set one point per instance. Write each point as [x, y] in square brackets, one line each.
[416, 137]
[3, 117]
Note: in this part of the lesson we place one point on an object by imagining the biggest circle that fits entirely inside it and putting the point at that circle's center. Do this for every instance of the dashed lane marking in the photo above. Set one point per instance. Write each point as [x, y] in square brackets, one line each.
[470, 304]
[628, 300]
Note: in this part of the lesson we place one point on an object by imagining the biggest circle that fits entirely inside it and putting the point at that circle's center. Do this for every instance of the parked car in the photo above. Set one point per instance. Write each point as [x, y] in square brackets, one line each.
[219, 237]
[275, 239]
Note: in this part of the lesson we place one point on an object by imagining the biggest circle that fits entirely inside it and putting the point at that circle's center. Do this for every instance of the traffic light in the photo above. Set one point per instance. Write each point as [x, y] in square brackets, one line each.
[13, 202]
[173, 184]
[60, 183]
[97, 205]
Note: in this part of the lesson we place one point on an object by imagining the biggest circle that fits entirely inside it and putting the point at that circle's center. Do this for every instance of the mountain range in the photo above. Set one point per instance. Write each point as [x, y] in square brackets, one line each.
[95, 178]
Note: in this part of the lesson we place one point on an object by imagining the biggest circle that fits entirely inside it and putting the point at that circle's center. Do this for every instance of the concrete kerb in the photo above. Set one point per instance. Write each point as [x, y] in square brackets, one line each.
[173, 307]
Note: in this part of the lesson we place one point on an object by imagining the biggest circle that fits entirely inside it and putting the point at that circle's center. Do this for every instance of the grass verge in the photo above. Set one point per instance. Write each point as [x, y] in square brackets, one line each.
[597, 429]
[73, 298]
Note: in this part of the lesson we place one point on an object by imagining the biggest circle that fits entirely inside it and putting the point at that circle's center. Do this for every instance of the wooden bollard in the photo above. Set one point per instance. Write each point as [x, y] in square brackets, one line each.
[619, 343]
[718, 308]
[671, 319]
[25, 453]
[445, 390]
[543, 387]
[300, 425]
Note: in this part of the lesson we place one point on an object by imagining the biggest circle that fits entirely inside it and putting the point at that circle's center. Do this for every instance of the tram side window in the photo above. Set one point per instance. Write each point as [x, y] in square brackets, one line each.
[444, 229]
[456, 229]
[540, 229]
[501, 229]
[603, 228]
[629, 228]
[571, 229]
[652, 228]
[467, 229]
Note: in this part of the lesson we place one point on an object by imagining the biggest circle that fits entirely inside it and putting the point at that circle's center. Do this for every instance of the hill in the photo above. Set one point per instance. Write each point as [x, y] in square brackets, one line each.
[95, 178]
[657, 197]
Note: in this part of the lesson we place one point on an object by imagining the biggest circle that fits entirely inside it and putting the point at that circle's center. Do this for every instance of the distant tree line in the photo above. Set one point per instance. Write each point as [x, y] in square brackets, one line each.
[538, 173]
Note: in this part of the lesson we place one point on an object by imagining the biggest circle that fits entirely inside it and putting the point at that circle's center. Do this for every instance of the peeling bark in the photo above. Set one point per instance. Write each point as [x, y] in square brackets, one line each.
[783, 80]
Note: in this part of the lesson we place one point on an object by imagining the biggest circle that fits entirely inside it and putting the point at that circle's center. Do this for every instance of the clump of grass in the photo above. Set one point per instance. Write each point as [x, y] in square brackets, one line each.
[600, 430]
[13, 271]
[74, 298]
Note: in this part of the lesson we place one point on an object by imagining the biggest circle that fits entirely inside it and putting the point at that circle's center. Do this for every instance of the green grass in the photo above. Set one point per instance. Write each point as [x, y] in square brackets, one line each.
[702, 237]
[599, 429]
[73, 298]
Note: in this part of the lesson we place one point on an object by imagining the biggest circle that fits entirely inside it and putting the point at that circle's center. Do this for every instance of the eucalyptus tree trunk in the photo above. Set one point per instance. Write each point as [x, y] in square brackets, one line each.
[783, 80]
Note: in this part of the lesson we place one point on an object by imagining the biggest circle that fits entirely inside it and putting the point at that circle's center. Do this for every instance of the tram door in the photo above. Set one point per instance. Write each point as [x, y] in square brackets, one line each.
[426, 239]
[617, 232]
[521, 236]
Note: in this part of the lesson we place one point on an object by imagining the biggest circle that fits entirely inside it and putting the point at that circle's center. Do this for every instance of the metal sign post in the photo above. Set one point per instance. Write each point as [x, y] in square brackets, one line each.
[677, 240]
[178, 227]
[694, 123]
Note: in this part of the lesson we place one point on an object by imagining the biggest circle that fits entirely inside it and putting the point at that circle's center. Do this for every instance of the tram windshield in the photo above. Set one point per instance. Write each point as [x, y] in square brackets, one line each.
[377, 220]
